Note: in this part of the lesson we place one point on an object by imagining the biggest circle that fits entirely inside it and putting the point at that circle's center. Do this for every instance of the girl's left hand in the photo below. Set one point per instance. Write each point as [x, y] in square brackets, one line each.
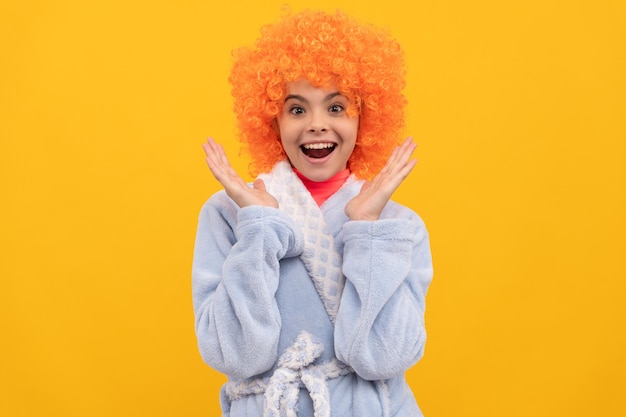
[369, 203]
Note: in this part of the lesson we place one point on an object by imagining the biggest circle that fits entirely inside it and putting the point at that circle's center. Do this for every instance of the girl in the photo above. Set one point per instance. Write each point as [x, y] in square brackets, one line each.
[309, 285]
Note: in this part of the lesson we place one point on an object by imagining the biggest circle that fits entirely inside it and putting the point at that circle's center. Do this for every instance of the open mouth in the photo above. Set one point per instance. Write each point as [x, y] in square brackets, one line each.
[318, 150]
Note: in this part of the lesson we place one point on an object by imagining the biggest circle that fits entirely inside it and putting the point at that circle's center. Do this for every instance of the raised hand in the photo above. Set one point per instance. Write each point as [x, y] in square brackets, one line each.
[374, 195]
[233, 184]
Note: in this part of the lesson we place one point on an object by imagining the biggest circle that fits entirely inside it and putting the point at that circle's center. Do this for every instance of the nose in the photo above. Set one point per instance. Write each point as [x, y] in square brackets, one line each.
[317, 129]
[317, 123]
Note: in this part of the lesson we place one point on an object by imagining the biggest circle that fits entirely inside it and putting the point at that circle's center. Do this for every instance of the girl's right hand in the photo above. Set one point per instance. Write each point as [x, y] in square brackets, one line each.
[233, 184]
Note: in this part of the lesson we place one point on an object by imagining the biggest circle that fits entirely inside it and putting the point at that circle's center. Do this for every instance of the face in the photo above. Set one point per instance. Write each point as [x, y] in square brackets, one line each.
[316, 131]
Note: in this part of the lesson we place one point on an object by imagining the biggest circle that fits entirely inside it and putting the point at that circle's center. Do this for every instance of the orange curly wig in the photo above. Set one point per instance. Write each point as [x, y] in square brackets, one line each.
[363, 62]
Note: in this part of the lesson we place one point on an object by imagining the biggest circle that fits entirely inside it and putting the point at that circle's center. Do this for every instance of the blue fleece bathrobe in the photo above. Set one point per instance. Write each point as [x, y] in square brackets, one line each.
[307, 312]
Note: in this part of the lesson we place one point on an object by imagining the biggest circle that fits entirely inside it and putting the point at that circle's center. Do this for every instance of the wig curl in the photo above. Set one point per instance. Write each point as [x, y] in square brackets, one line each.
[364, 63]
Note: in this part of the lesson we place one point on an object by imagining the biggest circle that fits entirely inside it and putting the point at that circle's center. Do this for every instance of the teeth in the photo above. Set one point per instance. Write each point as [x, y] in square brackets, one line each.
[318, 145]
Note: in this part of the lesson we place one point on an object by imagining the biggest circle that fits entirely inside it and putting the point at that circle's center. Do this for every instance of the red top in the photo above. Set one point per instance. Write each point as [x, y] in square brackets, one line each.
[321, 191]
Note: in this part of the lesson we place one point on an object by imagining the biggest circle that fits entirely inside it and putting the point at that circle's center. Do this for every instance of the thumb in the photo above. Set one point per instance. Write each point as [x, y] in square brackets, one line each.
[259, 184]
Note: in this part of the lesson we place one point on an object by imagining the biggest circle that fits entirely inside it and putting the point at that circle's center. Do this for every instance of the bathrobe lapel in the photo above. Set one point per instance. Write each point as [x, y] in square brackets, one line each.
[319, 256]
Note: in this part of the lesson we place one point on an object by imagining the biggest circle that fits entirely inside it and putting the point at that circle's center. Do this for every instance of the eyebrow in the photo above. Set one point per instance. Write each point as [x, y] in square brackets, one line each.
[299, 97]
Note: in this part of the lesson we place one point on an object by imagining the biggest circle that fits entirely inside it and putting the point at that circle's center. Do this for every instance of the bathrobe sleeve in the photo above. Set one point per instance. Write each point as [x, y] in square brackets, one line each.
[234, 278]
[380, 325]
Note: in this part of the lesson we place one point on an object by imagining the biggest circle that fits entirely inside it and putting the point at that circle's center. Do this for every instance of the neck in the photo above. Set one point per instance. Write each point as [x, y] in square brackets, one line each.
[322, 190]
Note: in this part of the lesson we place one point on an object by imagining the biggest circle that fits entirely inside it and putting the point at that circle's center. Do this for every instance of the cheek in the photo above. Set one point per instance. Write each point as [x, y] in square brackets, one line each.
[284, 129]
[352, 129]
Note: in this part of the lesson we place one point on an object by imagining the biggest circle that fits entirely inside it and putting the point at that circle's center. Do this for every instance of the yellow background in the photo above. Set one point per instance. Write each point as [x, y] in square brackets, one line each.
[518, 108]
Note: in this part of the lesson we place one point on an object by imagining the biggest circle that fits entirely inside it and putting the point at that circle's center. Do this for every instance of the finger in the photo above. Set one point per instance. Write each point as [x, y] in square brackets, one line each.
[402, 160]
[408, 141]
[399, 167]
[210, 147]
[397, 160]
[211, 150]
[391, 160]
[259, 184]
[221, 155]
[405, 161]
[399, 154]
[220, 166]
[408, 168]
[216, 152]
[216, 156]
[405, 151]
[213, 160]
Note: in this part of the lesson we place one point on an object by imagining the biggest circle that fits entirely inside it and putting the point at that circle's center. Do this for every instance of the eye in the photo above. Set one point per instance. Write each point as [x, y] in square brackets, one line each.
[336, 108]
[296, 110]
